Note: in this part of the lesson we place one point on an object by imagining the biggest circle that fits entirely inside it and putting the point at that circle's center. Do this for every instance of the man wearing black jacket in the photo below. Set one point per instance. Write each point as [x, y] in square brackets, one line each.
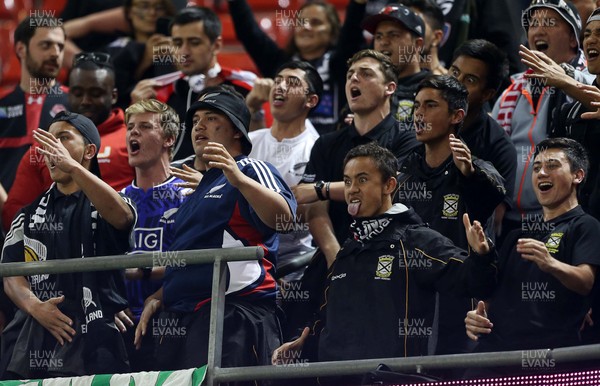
[480, 66]
[382, 286]
[370, 82]
[441, 181]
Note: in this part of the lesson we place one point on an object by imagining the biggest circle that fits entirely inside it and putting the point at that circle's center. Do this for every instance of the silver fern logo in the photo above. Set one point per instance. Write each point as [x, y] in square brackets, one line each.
[446, 6]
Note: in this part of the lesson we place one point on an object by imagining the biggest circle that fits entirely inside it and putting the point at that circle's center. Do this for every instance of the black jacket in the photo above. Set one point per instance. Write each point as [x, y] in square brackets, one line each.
[488, 141]
[327, 160]
[442, 195]
[381, 296]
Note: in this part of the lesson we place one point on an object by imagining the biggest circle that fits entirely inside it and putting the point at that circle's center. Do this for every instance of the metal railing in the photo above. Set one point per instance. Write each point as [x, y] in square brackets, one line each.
[216, 374]
[178, 258]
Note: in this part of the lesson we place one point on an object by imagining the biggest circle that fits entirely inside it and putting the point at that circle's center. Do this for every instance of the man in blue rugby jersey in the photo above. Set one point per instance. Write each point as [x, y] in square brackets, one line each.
[238, 202]
[152, 130]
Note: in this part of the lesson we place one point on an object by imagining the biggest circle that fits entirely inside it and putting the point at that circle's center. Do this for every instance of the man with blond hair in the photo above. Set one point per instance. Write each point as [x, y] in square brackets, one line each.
[152, 130]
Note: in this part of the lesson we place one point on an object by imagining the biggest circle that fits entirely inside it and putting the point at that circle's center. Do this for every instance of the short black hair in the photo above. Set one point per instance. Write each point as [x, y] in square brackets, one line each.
[430, 10]
[210, 20]
[491, 55]
[27, 27]
[385, 160]
[453, 92]
[311, 75]
[574, 151]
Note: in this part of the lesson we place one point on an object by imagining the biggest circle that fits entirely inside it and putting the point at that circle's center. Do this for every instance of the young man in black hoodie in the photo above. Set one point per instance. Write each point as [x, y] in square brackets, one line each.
[441, 181]
[381, 290]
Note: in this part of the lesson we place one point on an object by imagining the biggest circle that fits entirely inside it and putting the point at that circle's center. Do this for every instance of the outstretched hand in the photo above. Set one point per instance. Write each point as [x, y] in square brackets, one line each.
[461, 154]
[55, 152]
[190, 175]
[543, 67]
[475, 236]
[151, 306]
[52, 319]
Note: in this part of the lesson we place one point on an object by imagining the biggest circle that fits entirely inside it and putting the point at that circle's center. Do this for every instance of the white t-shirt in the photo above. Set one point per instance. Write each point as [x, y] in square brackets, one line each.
[290, 157]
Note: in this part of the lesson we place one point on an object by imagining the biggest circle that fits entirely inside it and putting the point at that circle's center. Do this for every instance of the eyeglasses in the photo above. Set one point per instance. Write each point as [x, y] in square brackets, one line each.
[99, 58]
[147, 6]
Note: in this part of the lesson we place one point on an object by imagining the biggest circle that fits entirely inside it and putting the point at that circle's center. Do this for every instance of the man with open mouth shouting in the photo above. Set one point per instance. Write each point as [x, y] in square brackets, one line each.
[525, 108]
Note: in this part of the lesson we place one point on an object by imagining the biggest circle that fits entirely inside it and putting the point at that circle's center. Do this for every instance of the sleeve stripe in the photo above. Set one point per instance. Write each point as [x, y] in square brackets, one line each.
[15, 235]
[431, 257]
[14, 227]
[259, 175]
[265, 175]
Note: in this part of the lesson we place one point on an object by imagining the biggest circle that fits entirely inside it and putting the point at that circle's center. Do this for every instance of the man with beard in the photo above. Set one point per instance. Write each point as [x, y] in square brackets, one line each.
[39, 45]
[92, 93]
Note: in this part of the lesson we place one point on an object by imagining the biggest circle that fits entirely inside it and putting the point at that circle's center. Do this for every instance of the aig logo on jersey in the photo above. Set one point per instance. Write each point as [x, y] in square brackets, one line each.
[384, 267]
[554, 242]
[450, 207]
[148, 239]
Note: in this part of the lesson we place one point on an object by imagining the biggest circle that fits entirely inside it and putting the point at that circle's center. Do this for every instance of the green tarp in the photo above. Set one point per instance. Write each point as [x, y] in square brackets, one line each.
[190, 377]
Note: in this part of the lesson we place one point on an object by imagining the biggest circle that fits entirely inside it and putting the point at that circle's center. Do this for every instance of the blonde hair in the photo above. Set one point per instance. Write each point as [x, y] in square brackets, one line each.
[169, 120]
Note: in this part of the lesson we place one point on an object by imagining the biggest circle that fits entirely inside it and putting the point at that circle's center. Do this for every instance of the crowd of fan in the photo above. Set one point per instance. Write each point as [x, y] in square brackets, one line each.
[420, 185]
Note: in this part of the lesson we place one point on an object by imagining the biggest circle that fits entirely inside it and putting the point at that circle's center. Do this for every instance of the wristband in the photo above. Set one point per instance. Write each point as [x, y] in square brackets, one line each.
[327, 185]
[319, 190]
[569, 70]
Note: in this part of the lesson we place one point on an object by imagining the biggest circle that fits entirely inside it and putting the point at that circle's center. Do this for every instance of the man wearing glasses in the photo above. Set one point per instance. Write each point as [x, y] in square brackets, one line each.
[92, 93]
[39, 45]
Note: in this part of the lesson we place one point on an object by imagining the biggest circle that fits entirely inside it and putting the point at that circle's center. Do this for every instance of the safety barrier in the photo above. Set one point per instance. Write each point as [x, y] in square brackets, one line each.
[215, 374]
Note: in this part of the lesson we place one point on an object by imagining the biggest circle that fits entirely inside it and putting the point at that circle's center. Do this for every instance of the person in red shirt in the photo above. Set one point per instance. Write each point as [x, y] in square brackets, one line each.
[92, 93]
[38, 44]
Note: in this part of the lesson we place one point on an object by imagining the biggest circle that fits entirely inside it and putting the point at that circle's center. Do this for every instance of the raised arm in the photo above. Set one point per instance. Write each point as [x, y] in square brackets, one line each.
[555, 76]
[107, 201]
[265, 53]
[109, 21]
[579, 279]
[270, 206]
[351, 38]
